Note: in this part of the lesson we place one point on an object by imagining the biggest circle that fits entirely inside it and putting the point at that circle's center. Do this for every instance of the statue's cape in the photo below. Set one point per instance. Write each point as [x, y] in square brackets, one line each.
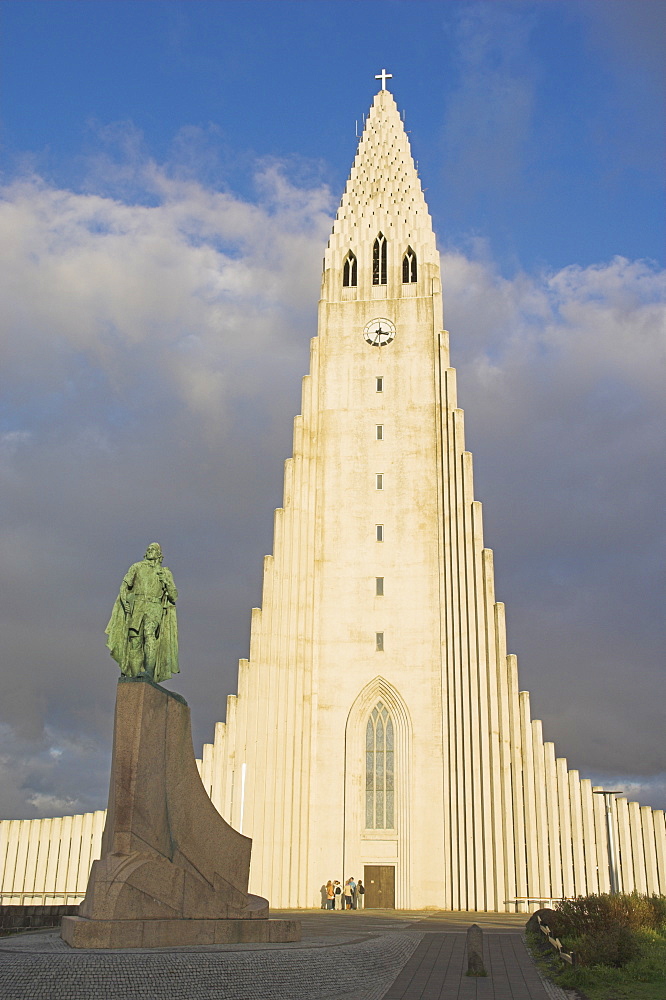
[167, 641]
[117, 633]
[167, 645]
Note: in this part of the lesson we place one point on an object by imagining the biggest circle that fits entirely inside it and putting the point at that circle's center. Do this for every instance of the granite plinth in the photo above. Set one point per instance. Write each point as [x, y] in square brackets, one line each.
[172, 869]
[80, 932]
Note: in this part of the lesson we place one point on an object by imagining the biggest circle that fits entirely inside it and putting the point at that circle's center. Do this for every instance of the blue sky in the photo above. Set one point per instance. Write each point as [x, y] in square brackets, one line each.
[169, 176]
[537, 126]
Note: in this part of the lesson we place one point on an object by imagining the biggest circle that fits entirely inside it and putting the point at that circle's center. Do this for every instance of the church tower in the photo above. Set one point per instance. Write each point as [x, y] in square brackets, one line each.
[378, 729]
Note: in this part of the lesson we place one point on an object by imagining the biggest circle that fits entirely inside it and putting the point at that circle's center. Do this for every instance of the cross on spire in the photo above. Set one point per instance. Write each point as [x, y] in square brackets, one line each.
[383, 76]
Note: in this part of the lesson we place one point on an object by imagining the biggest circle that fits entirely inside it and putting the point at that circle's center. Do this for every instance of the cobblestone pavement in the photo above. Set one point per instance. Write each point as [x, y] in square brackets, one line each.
[355, 956]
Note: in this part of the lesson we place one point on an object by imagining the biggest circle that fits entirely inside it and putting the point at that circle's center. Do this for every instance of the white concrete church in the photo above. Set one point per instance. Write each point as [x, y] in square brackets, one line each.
[378, 730]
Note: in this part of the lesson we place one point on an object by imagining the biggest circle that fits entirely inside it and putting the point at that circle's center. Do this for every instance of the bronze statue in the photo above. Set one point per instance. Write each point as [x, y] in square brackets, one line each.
[143, 631]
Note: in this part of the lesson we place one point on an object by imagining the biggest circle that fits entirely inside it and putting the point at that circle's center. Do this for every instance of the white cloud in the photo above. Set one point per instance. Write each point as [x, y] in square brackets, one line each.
[30, 770]
[649, 791]
[186, 288]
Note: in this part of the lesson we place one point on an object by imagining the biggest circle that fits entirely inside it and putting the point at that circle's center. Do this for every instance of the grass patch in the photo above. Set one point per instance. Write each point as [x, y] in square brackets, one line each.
[619, 942]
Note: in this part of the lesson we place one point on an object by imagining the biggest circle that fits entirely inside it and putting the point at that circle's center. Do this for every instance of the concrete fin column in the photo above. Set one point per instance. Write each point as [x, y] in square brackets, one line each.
[660, 847]
[624, 844]
[541, 887]
[531, 825]
[580, 888]
[589, 836]
[172, 872]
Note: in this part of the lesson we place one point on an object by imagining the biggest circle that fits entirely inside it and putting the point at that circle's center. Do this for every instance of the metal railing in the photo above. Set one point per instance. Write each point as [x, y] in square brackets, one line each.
[544, 900]
[566, 956]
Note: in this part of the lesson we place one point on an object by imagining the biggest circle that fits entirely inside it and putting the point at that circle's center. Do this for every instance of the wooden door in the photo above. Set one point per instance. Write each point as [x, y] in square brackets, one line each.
[379, 881]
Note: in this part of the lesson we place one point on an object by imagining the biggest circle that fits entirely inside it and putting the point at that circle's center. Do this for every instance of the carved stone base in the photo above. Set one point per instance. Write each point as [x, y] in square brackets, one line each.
[82, 933]
[172, 871]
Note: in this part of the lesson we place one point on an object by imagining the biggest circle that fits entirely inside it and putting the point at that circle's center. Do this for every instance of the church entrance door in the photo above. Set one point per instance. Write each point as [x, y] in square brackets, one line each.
[379, 883]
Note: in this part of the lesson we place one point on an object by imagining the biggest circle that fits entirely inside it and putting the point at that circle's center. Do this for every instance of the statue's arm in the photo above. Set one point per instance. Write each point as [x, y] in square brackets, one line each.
[169, 585]
[126, 586]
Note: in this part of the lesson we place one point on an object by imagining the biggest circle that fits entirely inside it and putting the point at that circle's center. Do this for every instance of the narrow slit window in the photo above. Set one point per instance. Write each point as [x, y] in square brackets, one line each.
[350, 271]
[409, 267]
[379, 642]
[380, 432]
[379, 480]
[380, 384]
[379, 260]
[379, 532]
[379, 586]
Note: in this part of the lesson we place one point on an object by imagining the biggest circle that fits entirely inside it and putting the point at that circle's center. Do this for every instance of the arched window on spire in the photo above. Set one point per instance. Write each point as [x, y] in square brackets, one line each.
[349, 271]
[408, 266]
[379, 770]
[379, 260]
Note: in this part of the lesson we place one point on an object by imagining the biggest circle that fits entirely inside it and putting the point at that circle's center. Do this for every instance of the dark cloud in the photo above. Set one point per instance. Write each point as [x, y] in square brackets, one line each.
[561, 378]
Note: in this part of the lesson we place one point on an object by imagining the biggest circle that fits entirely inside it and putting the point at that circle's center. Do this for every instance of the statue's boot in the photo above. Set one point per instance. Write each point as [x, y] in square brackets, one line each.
[150, 653]
[135, 656]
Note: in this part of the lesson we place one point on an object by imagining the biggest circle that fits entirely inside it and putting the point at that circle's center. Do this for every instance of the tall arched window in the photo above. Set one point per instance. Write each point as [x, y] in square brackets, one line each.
[349, 278]
[379, 770]
[409, 266]
[379, 260]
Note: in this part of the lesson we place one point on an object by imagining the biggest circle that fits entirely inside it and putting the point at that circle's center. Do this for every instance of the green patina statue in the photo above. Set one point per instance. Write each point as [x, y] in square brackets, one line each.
[143, 631]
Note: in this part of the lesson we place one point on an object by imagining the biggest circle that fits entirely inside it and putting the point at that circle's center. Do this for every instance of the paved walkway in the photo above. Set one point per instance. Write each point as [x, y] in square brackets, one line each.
[436, 971]
[362, 955]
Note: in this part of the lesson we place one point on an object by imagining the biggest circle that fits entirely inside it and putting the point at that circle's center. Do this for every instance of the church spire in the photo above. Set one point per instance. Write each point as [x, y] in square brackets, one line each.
[383, 200]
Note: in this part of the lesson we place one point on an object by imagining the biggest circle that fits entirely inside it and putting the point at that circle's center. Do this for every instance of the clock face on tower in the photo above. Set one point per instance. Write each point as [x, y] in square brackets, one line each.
[379, 332]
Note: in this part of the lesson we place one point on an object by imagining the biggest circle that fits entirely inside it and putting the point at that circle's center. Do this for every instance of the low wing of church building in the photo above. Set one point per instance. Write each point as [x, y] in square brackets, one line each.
[379, 730]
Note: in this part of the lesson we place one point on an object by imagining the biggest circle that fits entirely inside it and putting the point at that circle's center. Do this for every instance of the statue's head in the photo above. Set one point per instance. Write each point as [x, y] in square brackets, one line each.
[154, 552]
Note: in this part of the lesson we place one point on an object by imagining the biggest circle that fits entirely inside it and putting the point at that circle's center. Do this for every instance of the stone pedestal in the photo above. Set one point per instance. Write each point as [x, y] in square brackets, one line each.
[172, 871]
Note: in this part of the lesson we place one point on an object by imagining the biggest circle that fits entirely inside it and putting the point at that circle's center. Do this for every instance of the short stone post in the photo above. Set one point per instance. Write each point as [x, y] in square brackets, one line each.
[475, 966]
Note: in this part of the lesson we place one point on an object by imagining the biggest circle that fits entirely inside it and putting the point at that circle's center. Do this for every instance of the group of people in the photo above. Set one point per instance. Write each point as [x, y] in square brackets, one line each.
[347, 897]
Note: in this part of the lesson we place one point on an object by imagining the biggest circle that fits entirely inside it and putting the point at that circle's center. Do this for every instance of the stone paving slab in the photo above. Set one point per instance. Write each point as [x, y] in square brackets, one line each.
[436, 971]
[460, 920]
